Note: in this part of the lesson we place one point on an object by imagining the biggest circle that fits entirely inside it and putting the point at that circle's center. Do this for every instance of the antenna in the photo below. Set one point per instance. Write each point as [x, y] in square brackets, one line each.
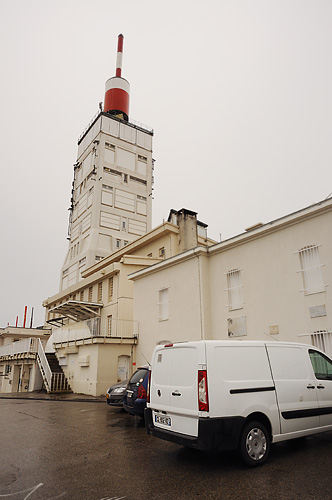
[119, 57]
[117, 89]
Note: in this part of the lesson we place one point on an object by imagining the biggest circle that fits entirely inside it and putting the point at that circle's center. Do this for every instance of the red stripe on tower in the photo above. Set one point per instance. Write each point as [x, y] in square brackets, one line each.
[119, 56]
[117, 89]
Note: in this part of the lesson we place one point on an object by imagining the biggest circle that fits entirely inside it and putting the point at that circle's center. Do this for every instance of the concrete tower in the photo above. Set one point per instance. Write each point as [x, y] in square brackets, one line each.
[111, 202]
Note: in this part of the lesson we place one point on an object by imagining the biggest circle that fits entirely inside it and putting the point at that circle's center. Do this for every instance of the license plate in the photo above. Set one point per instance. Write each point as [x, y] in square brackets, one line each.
[160, 419]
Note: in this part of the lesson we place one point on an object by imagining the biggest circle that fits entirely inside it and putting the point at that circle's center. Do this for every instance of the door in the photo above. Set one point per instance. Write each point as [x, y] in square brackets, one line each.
[123, 368]
[295, 387]
[322, 367]
[174, 387]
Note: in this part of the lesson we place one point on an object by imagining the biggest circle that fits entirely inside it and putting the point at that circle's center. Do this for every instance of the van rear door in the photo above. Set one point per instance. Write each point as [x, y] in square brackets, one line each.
[174, 387]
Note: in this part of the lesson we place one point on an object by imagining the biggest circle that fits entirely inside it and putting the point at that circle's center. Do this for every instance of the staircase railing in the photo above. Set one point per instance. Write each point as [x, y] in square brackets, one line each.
[44, 367]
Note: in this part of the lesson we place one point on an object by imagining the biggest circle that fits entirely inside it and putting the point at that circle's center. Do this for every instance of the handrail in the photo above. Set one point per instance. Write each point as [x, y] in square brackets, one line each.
[44, 364]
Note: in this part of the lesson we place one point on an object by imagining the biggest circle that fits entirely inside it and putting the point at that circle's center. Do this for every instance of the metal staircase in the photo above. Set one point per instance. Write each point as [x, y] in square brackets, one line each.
[52, 373]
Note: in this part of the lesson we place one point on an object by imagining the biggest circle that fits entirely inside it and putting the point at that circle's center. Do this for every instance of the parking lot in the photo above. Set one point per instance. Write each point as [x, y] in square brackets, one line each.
[88, 451]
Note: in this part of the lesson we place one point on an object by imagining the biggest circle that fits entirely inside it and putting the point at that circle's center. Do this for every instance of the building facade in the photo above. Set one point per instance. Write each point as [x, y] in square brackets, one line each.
[111, 199]
[19, 368]
[95, 335]
[271, 282]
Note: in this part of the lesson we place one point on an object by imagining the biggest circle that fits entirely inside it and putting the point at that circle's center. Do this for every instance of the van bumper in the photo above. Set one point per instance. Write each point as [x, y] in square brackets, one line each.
[213, 433]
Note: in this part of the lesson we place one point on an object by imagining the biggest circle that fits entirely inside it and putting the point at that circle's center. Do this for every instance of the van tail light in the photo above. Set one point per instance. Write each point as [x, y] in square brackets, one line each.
[148, 390]
[141, 392]
[203, 398]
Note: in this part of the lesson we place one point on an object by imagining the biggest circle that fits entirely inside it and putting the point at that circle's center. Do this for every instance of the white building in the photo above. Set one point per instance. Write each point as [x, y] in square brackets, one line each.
[273, 281]
[94, 334]
[111, 202]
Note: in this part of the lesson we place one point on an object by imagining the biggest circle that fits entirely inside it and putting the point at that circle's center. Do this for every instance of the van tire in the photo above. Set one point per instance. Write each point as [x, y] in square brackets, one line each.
[254, 445]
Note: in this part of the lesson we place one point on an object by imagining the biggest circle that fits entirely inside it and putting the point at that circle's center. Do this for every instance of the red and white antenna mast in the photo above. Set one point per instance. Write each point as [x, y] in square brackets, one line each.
[117, 89]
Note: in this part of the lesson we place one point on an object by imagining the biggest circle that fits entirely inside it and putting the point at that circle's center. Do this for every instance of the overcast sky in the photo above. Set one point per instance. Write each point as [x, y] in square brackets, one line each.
[238, 92]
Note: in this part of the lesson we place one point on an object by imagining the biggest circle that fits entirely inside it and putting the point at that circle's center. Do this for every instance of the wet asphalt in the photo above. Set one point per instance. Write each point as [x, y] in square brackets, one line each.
[80, 448]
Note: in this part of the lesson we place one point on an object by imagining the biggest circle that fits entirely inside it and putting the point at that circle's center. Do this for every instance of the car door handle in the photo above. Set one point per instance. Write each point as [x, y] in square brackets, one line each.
[176, 393]
[320, 386]
[310, 386]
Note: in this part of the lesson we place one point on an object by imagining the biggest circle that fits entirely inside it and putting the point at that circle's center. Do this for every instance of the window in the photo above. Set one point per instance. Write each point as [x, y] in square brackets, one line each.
[163, 304]
[234, 289]
[82, 295]
[118, 243]
[322, 365]
[125, 177]
[137, 179]
[162, 252]
[311, 269]
[100, 292]
[109, 325]
[110, 289]
[90, 294]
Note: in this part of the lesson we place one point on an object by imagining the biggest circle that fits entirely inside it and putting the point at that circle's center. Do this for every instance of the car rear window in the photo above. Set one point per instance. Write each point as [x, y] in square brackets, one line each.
[138, 376]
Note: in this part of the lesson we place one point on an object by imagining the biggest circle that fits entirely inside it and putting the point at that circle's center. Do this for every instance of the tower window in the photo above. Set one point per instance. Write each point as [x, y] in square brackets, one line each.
[137, 179]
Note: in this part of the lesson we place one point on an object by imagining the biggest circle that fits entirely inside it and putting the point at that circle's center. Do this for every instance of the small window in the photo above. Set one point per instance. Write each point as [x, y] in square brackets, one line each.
[118, 243]
[82, 296]
[100, 292]
[311, 269]
[137, 179]
[125, 178]
[125, 243]
[110, 289]
[90, 294]
[109, 325]
[234, 289]
[163, 304]
[162, 252]
[321, 364]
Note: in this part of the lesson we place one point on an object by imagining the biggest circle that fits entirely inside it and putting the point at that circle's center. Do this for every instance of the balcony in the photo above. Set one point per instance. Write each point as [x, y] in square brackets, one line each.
[96, 331]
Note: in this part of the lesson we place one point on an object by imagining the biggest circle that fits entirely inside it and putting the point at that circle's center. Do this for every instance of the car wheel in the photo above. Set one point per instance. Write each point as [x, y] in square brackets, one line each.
[254, 444]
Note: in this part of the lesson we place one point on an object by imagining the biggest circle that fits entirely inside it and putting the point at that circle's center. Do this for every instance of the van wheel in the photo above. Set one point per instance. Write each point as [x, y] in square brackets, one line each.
[254, 444]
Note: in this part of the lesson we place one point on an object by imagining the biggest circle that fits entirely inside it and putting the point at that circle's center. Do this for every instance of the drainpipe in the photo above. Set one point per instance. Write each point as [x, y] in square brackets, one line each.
[201, 309]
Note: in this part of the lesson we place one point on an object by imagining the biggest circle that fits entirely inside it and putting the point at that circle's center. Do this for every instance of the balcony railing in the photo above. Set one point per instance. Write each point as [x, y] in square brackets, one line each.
[29, 345]
[97, 328]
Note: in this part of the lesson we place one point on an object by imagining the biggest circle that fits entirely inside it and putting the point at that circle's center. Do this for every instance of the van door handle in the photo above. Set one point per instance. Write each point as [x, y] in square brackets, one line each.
[320, 386]
[310, 386]
[176, 393]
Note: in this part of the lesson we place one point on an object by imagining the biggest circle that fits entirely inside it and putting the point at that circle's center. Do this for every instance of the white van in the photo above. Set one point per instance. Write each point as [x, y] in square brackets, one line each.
[217, 395]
